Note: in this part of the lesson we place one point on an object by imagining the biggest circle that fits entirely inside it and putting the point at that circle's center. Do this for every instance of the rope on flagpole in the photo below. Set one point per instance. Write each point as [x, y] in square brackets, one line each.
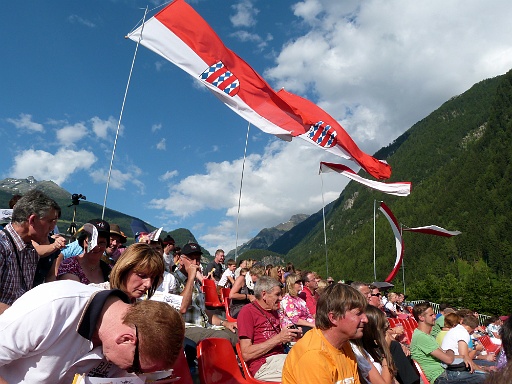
[121, 115]
[325, 233]
[240, 193]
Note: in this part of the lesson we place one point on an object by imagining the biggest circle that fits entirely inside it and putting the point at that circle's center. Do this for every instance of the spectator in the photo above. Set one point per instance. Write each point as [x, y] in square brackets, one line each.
[138, 272]
[444, 309]
[374, 349]
[428, 354]
[364, 288]
[241, 264]
[290, 269]
[88, 267]
[34, 216]
[115, 246]
[277, 273]
[169, 248]
[493, 329]
[390, 307]
[241, 293]
[505, 355]
[187, 284]
[375, 297]
[309, 294]
[324, 354]
[64, 328]
[322, 284]
[261, 337]
[450, 320]
[228, 277]
[457, 339]
[293, 309]
[214, 269]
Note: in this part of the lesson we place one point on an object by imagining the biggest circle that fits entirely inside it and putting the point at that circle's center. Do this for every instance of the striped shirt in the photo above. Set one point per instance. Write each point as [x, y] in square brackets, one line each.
[11, 276]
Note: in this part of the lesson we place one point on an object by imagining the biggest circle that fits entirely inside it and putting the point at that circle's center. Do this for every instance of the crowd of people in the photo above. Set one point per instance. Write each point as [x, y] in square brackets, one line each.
[101, 308]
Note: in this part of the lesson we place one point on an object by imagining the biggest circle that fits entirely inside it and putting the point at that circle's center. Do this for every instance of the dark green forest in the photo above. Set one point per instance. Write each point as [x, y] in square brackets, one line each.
[459, 162]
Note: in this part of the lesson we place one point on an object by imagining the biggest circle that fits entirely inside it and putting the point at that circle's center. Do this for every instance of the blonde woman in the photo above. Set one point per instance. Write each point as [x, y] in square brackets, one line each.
[293, 309]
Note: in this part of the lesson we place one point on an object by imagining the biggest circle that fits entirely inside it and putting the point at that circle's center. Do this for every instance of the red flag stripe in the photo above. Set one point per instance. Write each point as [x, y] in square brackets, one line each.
[398, 240]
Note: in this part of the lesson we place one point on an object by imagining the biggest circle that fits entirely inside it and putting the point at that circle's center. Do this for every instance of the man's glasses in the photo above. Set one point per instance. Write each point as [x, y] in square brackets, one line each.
[135, 368]
[376, 294]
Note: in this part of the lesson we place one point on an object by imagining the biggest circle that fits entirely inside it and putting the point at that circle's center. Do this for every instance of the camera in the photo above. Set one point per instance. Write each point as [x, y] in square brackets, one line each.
[75, 198]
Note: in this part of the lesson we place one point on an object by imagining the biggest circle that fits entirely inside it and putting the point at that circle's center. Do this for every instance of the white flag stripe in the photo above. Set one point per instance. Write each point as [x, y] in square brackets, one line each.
[433, 230]
[397, 189]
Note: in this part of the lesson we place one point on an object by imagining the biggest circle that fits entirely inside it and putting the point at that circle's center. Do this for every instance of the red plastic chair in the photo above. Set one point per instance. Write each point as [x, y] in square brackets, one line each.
[181, 370]
[489, 346]
[224, 294]
[245, 368]
[226, 308]
[217, 362]
[210, 297]
[209, 282]
[420, 372]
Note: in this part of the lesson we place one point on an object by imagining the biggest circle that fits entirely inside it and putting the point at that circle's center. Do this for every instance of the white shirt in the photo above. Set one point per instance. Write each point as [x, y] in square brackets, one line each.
[224, 278]
[452, 338]
[39, 342]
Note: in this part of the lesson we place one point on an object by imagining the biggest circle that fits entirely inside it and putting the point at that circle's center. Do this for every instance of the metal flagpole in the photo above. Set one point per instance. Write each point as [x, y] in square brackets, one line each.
[374, 265]
[403, 255]
[240, 193]
[325, 233]
[121, 115]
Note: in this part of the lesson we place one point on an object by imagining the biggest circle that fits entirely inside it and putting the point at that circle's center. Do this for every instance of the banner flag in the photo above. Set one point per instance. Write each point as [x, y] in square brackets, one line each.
[433, 230]
[179, 34]
[398, 240]
[397, 189]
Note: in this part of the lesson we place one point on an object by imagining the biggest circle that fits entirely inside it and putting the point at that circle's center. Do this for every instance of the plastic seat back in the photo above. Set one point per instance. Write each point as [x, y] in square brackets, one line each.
[209, 282]
[217, 362]
[245, 369]
[420, 372]
[181, 370]
[224, 294]
[210, 297]
[226, 308]
[489, 346]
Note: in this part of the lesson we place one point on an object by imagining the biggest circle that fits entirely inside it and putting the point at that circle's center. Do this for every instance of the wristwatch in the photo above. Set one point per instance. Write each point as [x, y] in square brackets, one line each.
[221, 323]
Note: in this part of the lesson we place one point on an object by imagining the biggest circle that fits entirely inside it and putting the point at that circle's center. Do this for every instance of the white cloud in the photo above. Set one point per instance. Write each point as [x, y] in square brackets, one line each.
[156, 127]
[379, 67]
[168, 175]
[57, 167]
[103, 127]
[245, 14]
[161, 145]
[25, 122]
[281, 182]
[119, 179]
[81, 20]
[70, 134]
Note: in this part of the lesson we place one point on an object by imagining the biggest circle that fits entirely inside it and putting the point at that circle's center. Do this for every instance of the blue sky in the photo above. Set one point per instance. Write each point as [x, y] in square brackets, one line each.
[377, 67]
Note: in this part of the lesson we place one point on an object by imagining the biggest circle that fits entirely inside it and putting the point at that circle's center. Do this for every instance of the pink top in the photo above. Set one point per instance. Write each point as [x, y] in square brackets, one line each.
[292, 309]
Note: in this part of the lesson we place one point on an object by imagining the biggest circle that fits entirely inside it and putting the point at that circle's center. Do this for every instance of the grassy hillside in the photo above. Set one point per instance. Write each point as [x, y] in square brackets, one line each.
[459, 161]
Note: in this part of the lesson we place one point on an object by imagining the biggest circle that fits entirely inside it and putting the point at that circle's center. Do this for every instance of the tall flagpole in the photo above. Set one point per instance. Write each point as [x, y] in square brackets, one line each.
[240, 193]
[325, 233]
[121, 115]
[374, 265]
[403, 256]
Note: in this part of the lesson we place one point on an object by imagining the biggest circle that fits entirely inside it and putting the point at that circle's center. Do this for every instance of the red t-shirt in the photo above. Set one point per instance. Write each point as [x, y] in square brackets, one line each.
[258, 325]
[310, 300]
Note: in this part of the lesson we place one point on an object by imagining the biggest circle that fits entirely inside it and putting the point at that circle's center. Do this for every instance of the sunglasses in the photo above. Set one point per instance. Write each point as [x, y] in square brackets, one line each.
[135, 368]
[376, 294]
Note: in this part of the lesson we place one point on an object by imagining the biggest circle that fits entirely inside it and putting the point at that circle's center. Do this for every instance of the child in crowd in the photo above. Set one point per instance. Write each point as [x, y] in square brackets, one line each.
[228, 277]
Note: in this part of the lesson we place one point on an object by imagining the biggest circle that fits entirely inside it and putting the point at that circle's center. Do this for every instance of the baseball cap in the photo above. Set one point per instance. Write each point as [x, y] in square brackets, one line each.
[190, 248]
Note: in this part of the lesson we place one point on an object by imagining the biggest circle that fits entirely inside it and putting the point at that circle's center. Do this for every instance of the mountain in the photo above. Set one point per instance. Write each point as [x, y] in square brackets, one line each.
[267, 236]
[459, 160]
[84, 210]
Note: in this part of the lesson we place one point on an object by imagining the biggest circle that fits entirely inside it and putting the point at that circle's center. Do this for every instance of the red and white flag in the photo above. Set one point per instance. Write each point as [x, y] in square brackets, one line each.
[397, 189]
[182, 36]
[324, 131]
[433, 230]
[398, 240]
